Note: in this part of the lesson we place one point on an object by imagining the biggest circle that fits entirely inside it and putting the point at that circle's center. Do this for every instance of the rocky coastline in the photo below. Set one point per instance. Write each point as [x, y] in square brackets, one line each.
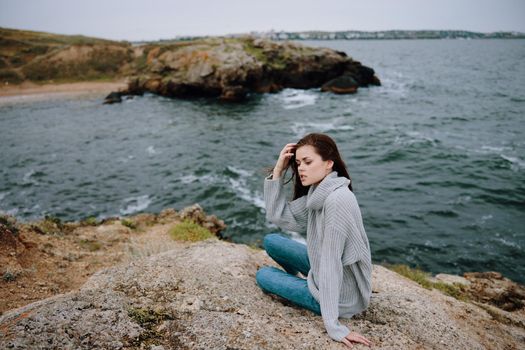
[229, 69]
[167, 281]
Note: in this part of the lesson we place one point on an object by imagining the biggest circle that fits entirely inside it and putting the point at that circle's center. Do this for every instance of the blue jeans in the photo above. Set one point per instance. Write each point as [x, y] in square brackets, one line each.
[293, 258]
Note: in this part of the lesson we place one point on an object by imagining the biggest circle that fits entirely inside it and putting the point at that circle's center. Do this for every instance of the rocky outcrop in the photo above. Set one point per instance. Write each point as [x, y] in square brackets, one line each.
[204, 296]
[225, 68]
[230, 69]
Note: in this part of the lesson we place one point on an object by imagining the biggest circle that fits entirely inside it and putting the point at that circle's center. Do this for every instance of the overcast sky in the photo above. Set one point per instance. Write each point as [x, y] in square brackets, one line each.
[164, 19]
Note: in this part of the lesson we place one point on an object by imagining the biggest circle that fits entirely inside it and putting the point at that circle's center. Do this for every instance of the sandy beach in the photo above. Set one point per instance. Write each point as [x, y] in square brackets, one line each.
[33, 92]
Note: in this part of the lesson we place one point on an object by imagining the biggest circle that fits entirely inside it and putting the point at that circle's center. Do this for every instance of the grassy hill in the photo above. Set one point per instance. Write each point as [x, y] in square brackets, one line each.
[44, 57]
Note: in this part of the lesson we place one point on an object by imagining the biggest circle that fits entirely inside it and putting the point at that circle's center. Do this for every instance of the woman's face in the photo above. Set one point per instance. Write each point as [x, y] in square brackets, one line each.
[311, 167]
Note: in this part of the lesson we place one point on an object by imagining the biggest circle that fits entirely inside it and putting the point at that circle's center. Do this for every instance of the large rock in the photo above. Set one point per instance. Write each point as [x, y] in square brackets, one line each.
[344, 84]
[232, 68]
[204, 296]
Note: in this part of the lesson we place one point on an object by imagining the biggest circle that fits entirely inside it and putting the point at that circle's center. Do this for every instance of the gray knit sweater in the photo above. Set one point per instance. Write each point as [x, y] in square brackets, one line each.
[340, 264]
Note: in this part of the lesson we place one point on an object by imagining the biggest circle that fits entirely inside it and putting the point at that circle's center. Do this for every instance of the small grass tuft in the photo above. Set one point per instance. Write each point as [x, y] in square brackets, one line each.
[55, 220]
[10, 276]
[90, 221]
[190, 231]
[414, 274]
[51, 225]
[128, 223]
[10, 223]
[92, 246]
[148, 319]
[422, 278]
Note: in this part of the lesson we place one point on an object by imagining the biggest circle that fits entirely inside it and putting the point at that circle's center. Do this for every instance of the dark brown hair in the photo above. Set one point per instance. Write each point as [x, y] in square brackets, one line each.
[324, 146]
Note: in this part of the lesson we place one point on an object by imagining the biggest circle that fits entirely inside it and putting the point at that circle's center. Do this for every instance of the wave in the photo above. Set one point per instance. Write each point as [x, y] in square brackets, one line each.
[516, 163]
[461, 200]
[492, 149]
[207, 179]
[414, 137]
[151, 150]
[239, 172]
[301, 129]
[3, 195]
[507, 242]
[135, 204]
[10, 212]
[394, 85]
[27, 178]
[237, 181]
[293, 98]
[241, 188]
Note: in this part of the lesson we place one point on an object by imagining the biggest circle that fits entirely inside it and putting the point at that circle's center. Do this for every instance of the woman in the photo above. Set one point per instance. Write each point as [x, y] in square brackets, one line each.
[336, 258]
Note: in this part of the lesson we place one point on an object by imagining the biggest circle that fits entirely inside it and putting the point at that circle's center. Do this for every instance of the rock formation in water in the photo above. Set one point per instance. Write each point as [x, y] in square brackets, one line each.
[227, 68]
[232, 68]
[204, 296]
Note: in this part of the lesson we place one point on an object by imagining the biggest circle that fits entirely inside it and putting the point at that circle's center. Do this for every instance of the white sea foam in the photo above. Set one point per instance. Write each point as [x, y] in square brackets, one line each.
[188, 179]
[493, 149]
[301, 129]
[125, 159]
[516, 163]
[240, 172]
[27, 177]
[206, 179]
[394, 84]
[11, 212]
[238, 184]
[506, 242]
[509, 243]
[241, 188]
[135, 204]
[413, 137]
[293, 98]
[461, 200]
[151, 150]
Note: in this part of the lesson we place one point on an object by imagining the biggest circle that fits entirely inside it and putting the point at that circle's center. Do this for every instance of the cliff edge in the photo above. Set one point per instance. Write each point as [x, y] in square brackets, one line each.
[203, 295]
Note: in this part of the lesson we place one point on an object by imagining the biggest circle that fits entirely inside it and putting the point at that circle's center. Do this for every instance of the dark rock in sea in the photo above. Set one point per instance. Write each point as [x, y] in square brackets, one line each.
[231, 69]
[114, 97]
[344, 84]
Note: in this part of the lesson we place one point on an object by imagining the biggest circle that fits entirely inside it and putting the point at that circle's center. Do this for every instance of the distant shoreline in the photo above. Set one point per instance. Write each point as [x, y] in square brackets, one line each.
[32, 91]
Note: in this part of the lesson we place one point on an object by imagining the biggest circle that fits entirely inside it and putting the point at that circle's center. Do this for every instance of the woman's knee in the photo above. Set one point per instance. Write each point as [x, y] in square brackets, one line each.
[264, 277]
[270, 241]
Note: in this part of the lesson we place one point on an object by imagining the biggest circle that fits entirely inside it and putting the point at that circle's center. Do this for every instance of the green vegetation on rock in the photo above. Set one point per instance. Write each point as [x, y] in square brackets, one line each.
[149, 320]
[92, 246]
[89, 221]
[9, 222]
[128, 223]
[423, 279]
[190, 231]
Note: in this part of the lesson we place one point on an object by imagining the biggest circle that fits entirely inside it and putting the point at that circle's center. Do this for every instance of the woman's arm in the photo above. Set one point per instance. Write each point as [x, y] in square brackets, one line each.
[292, 216]
[330, 280]
[338, 231]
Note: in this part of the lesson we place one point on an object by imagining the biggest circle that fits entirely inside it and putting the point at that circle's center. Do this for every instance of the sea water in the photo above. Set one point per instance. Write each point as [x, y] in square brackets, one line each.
[436, 154]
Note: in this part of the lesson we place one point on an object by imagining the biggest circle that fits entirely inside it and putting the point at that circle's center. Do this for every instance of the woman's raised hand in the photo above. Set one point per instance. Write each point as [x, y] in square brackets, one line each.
[284, 159]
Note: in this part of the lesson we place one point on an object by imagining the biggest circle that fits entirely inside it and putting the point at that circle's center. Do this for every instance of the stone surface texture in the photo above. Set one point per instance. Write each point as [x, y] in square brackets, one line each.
[204, 296]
